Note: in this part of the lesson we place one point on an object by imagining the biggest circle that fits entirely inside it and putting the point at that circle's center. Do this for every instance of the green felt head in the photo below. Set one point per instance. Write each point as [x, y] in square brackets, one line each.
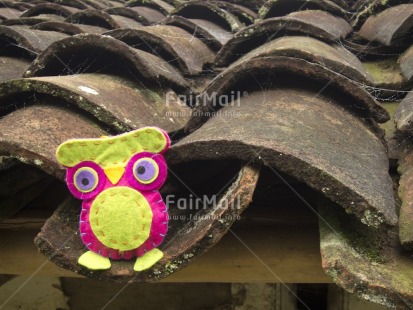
[112, 151]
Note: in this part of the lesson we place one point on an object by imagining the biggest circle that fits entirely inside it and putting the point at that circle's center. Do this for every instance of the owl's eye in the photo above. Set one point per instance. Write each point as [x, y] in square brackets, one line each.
[86, 179]
[145, 170]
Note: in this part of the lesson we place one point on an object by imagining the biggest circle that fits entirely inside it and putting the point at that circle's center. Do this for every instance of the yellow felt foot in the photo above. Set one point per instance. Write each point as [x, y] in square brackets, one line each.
[148, 260]
[94, 261]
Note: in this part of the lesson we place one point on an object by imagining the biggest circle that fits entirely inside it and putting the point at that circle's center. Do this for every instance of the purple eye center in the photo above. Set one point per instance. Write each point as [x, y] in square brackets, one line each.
[145, 170]
[86, 179]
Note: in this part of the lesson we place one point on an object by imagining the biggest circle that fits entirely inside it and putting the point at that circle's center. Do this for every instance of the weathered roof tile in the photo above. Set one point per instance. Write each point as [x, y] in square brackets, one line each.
[88, 53]
[255, 5]
[406, 63]
[210, 12]
[42, 128]
[317, 24]
[364, 104]
[404, 115]
[244, 14]
[93, 18]
[63, 27]
[333, 57]
[369, 264]
[129, 13]
[159, 5]
[390, 26]
[97, 94]
[71, 3]
[210, 33]
[9, 13]
[49, 8]
[151, 15]
[303, 134]
[276, 8]
[33, 41]
[13, 67]
[174, 45]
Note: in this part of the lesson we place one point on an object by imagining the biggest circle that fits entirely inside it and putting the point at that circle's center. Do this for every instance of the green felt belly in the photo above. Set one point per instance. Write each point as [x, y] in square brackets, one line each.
[121, 218]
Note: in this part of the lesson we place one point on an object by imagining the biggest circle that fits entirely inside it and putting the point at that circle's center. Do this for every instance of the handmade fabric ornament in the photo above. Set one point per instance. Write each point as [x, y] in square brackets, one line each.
[123, 215]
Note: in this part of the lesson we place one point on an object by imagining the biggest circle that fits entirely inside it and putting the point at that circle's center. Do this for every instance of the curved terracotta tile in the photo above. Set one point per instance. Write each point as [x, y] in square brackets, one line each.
[318, 24]
[41, 129]
[151, 15]
[304, 134]
[93, 18]
[173, 44]
[210, 33]
[162, 6]
[210, 12]
[367, 263]
[33, 41]
[98, 95]
[128, 13]
[88, 53]
[244, 14]
[49, 8]
[62, 27]
[390, 26]
[277, 8]
[246, 75]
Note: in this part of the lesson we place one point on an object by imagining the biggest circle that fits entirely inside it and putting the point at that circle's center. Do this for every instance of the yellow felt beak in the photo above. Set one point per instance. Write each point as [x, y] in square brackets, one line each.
[114, 174]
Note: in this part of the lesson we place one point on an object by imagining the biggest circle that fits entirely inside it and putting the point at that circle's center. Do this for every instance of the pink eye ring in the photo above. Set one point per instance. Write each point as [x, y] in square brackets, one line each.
[145, 170]
[85, 180]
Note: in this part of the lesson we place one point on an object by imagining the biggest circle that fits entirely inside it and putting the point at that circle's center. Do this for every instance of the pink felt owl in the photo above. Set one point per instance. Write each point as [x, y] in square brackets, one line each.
[118, 179]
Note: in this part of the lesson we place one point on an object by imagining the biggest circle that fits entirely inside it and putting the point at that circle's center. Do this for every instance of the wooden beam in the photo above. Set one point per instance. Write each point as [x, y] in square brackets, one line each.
[249, 253]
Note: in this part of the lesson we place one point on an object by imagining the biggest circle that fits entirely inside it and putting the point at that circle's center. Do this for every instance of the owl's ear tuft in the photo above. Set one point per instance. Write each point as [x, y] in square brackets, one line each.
[153, 139]
[64, 155]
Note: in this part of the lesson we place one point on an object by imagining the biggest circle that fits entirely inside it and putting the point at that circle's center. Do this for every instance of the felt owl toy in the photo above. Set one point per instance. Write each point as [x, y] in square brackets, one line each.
[123, 215]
